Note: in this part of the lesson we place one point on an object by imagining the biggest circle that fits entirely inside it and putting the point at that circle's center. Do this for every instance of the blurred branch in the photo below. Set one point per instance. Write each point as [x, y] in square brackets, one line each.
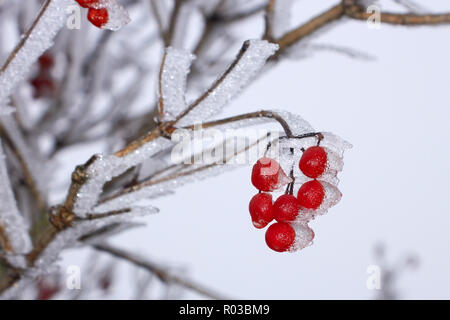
[350, 9]
[160, 272]
[355, 11]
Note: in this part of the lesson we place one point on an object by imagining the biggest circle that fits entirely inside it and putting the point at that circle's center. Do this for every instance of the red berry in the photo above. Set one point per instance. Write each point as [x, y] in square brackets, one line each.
[261, 210]
[98, 17]
[280, 236]
[286, 208]
[313, 162]
[46, 61]
[87, 3]
[43, 86]
[311, 194]
[266, 174]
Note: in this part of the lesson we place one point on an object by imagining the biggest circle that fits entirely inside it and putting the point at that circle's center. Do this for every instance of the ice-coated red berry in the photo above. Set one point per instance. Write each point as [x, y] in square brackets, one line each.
[261, 210]
[311, 194]
[87, 3]
[98, 17]
[280, 236]
[313, 162]
[266, 174]
[286, 208]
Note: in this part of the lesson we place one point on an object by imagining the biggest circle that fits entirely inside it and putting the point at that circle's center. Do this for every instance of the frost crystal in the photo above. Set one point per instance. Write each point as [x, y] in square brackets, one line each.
[11, 221]
[251, 60]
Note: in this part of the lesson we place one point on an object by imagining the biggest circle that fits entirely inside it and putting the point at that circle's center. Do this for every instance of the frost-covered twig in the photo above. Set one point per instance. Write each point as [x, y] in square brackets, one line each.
[14, 237]
[36, 40]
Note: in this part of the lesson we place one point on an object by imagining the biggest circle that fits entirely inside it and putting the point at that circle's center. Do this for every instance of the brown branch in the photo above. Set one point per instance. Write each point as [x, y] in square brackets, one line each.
[159, 271]
[252, 115]
[168, 36]
[268, 32]
[4, 240]
[160, 90]
[349, 8]
[354, 11]
[310, 27]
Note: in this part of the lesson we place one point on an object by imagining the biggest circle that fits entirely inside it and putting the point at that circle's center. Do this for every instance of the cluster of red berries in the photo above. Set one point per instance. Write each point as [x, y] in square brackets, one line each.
[268, 176]
[43, 83]
[96, 15]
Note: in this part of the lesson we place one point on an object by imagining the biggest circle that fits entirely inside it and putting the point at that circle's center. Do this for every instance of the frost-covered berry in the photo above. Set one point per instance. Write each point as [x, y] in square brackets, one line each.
[267, 175]
[313, 162]
[280, 236]
[98, 17]
[286, 208]
[311, 194]
[87, 3]
[261, 210]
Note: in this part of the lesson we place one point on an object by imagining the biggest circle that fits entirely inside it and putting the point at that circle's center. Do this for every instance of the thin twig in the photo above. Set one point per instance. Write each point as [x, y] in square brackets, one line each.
[159, 271]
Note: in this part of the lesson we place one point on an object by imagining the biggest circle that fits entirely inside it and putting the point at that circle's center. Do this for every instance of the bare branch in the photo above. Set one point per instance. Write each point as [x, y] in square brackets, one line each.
[159, 271]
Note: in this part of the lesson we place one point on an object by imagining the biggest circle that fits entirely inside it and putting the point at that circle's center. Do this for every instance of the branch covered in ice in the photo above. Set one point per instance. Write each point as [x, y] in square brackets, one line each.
[174, 71]
[246, 66]
[102, 169]
[33, 44]
[14, 237]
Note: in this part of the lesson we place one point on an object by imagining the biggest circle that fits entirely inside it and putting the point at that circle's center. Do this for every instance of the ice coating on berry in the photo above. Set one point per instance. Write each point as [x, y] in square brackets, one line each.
[117, 15]
[331, 198]
[280, 236]
[304, 236]
[286, 208]
[313, 161]
[261, 210]
[267, 175]
[311, 194]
